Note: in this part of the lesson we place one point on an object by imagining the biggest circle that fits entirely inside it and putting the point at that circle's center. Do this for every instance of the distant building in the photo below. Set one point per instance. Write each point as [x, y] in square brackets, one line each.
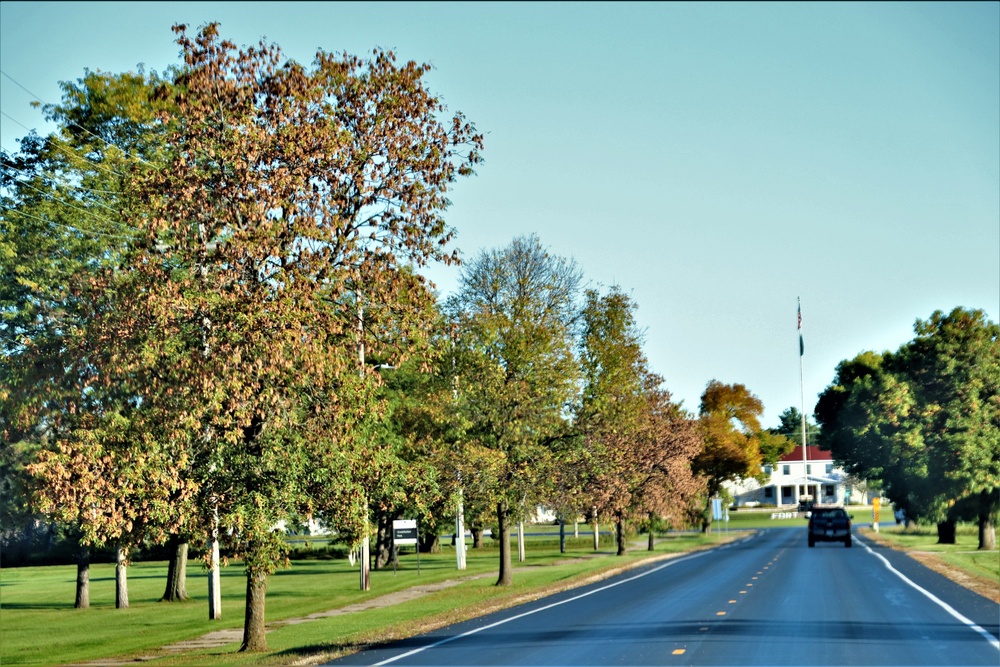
[792, 479]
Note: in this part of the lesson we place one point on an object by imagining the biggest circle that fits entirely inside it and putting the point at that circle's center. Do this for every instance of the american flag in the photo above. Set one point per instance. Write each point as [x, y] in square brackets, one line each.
[802, 347]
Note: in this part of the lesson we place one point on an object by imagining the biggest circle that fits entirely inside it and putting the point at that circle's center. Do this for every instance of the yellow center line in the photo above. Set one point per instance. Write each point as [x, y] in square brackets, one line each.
[679, 651]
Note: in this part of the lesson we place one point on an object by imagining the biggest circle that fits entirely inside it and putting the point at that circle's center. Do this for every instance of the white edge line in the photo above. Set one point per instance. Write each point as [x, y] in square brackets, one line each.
[936, 600]
[554, 604]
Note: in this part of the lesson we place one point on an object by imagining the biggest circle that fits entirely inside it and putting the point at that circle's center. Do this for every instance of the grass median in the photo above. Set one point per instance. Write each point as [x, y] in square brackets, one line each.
[40, 627]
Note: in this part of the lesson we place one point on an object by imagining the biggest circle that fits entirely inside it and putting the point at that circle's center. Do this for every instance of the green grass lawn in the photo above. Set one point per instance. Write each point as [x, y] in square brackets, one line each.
[39, 626]
[964, 554]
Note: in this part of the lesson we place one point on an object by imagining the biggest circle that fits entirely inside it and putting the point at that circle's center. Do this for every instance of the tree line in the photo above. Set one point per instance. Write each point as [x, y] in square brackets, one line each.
[214, 321]
[924, 420]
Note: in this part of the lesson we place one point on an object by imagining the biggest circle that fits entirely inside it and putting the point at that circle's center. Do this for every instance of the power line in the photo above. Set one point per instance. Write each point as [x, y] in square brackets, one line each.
[68, 152]
[78, 230]
[41, 101]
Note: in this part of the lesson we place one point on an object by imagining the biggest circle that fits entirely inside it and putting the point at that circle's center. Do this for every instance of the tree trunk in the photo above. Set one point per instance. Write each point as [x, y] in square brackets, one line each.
[562, 534]
[429, 543]
[83, 578]
[176, 590]
[383, 541]
[121, 578]
[987, 534]
[254, 630]
[652, 537]
[620, 534]
[477, 537]
[987, 530]
[506, 569]
[946, 532]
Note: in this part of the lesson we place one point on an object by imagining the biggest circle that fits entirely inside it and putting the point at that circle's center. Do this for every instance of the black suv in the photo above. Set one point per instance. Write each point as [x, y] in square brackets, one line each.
[829, 524]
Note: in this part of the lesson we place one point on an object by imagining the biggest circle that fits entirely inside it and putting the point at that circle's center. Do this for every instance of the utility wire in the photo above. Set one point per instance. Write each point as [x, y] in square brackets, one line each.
[68, 152]
[41, 101]
[63, 201]
[82, 210]
[78, 230]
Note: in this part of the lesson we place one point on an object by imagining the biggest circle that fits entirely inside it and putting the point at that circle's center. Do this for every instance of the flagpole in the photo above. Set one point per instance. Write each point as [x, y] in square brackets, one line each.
[802, 385]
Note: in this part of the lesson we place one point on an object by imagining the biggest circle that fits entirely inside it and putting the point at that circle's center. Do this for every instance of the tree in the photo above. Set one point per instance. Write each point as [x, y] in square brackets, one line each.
[730, 426]
[517, 371]
[638, 445]
[925, 420]
[790, 426]
[61, 197]
[291, 199]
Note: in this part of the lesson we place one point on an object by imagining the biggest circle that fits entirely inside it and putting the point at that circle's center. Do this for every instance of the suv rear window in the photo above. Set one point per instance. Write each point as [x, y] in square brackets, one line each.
[829, 513]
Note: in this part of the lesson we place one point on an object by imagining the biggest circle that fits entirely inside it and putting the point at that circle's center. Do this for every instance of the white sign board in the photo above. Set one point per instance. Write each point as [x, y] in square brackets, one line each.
[404, 531]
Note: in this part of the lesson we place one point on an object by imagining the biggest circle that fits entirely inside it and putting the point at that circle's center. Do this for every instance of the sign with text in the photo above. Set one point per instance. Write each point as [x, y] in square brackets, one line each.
[404, 531]
[716, 508]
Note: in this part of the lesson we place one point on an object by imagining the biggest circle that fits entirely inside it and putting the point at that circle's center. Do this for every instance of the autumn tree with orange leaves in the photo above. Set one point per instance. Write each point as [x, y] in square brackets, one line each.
[735, 444]
[292, 199]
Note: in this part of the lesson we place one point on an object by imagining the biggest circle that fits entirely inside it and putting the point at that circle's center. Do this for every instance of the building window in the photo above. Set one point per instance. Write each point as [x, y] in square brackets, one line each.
[829, 490]
[829, 468]
[809, 469]
[786, 491]
[768, 469]
[786, 470]
[768, 491]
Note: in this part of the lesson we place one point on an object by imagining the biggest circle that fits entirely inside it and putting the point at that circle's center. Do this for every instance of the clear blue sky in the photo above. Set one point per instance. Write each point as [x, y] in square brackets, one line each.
[715, 160]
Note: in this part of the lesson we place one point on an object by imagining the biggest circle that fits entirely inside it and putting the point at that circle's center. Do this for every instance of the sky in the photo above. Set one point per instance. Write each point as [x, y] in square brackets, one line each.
[717, 161]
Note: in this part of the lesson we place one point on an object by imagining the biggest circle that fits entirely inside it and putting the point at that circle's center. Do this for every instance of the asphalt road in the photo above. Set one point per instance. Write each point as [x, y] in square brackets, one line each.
[765, 600]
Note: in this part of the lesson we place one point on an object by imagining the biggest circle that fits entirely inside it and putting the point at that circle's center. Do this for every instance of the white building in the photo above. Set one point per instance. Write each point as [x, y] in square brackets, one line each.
[814, 477]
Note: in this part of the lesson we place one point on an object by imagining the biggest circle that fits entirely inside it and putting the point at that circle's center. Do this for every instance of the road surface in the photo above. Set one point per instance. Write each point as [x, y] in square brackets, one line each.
[765, 600]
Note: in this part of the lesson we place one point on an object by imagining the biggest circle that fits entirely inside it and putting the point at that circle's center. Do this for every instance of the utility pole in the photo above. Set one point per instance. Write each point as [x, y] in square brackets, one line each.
[365, 565]
[459, 510]
[214, 588]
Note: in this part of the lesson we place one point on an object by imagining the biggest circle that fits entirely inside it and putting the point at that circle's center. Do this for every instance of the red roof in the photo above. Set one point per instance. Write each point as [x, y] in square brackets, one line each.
[813, 453]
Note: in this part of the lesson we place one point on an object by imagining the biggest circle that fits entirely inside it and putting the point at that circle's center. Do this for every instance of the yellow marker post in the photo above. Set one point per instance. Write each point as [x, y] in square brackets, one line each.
[876, 507]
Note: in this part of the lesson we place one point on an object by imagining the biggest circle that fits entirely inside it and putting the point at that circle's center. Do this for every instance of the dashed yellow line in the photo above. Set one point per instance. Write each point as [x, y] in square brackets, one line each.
[679, 651]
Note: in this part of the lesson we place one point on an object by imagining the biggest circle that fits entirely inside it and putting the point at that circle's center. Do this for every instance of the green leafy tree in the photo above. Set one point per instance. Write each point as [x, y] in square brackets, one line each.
[514, 311]
[61, 225]
[790, 426]
[925, 420]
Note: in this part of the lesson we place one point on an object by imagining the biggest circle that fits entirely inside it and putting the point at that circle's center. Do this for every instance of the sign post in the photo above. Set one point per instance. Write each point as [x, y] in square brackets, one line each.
[876, 506]
[404, 531]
